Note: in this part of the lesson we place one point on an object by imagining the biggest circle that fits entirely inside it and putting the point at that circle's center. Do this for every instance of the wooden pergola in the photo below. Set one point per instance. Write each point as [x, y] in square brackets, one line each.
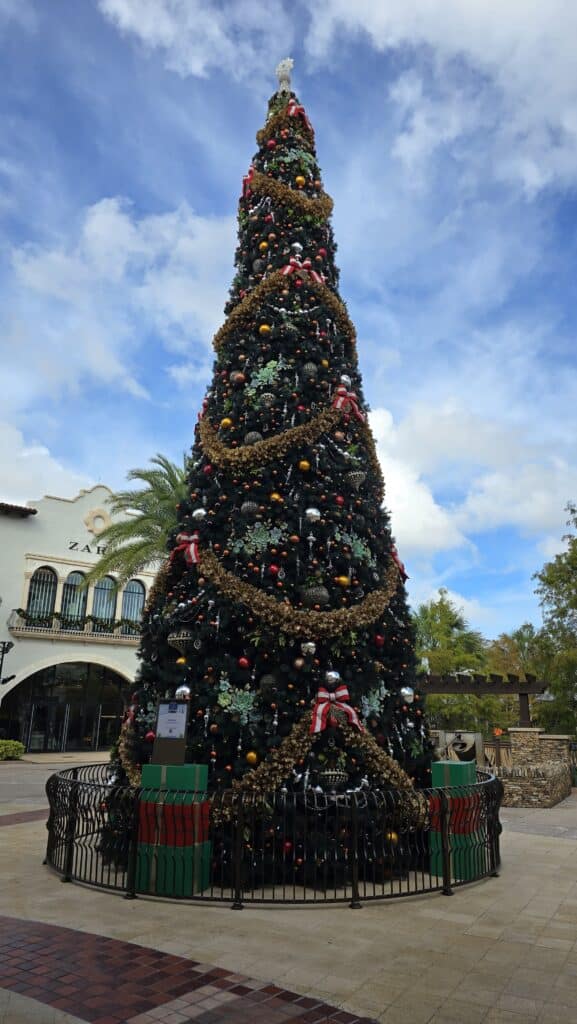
[483, 686]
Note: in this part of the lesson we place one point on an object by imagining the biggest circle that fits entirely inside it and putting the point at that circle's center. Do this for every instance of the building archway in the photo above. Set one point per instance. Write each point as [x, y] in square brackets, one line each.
[69, 705]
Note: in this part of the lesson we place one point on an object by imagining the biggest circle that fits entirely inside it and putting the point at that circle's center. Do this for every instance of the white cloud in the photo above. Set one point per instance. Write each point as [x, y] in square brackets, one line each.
[520, 55]
[421, 526]
[529, 495]
[197, 37]
[31, 472]
[496, 477]
[81, 309]
[187, 375]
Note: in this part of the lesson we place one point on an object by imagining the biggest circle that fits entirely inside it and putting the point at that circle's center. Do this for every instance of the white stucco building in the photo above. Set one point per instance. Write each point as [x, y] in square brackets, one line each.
[74, 648]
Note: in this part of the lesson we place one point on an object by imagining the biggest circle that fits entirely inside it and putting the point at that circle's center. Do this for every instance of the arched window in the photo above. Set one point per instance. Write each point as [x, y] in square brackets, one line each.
[132, 606]
[104, 607]
[74, 602]
[41, 597]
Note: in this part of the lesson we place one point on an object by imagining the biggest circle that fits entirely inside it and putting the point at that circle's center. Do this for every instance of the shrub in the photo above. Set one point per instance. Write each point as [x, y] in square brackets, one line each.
[11, 750]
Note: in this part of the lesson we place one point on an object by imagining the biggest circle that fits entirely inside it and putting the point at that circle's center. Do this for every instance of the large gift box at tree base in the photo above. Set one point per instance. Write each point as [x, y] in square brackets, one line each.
[174, 851]
[467, 831]
[453, 773]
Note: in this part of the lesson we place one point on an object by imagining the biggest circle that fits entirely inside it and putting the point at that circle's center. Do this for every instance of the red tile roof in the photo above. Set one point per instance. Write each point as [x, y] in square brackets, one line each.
[7, 509]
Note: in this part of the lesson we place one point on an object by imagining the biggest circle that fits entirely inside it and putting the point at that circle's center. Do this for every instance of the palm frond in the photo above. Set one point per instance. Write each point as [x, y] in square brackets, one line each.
[140, 539]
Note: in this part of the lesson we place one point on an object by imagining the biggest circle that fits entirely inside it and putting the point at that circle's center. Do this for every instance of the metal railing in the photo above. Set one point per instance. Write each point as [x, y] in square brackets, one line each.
[284, 847]
[55, 626]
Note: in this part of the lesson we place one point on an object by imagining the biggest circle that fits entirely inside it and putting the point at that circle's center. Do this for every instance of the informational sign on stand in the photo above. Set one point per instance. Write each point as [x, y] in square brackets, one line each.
[170, 742]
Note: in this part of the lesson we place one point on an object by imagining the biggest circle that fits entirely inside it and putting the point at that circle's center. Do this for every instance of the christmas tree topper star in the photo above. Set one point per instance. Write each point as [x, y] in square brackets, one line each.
[283, 73]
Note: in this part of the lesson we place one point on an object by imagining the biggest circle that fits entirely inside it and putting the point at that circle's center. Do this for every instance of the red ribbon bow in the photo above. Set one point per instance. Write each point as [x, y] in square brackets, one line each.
[294, 110]
[188, 544]
[347, 401]
[304, 269]
[326, 702]
[399, 564]
[246, 191]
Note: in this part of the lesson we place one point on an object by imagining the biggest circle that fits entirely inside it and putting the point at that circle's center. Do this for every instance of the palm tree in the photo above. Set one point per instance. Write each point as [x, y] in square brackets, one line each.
[139, 539]
[445, 638]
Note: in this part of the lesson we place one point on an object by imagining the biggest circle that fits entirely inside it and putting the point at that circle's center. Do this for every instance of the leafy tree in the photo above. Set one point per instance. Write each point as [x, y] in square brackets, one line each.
[140, 538]
[517, 652]
[447, 644]
[557, 589]
[557, 586]
[445, 639]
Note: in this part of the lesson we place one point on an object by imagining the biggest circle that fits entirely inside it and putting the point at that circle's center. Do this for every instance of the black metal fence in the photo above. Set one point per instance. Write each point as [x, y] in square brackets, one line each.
[285, 847]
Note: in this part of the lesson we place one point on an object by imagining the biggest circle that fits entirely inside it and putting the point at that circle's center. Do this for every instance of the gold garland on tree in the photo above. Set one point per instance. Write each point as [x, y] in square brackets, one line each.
[276, 769]
[318, 207]
[243, 314]
[295, 621]
[126, 745]
[282, 119]
[270, 448]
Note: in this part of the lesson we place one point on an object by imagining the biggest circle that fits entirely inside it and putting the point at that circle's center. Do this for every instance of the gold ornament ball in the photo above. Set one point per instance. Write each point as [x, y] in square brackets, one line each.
[304, 465]
[264, 329]
[300, 181]
[226, 423]
[275, 496]
[263, 246]
[343, 581]
[252, 757]
[181, 661]
[325, 363]
[392, 837]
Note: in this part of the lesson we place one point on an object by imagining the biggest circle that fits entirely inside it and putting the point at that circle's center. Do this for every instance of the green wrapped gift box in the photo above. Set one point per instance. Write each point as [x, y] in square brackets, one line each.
[173, 870]
[453, 773]
[469, 855]
[192, 777]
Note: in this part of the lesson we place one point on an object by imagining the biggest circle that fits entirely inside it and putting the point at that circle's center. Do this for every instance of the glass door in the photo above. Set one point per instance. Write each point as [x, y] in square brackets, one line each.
[46, 727]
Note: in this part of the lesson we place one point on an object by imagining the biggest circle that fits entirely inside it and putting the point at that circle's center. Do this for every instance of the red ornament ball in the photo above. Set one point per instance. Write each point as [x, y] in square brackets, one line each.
[243, 662]
[274, 570]
[339, 500]
[208, 469]
[150, 736]
[271, 144]
[379, 640]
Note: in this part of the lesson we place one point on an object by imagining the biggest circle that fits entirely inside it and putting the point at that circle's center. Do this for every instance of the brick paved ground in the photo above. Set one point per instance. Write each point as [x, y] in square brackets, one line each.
[106, 981]
[503, 951]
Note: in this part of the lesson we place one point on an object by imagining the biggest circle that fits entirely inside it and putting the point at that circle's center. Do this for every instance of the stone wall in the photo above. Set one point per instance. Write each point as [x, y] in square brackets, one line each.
[544, 786]
[540, 774]
[555, 748]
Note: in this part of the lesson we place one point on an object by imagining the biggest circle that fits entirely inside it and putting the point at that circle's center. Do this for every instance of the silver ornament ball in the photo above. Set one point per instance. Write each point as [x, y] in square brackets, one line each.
[313, 515]
[198, 514]
[182, 692]
[408, 694]
[332, 677]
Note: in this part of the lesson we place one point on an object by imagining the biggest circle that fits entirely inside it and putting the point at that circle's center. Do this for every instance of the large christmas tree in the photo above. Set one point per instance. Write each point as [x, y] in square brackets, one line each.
[281, 613]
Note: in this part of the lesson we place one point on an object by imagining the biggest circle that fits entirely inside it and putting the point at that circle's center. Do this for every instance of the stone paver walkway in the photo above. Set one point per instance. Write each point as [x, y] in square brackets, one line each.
[502, 951]
[105, 981]
[553, 821]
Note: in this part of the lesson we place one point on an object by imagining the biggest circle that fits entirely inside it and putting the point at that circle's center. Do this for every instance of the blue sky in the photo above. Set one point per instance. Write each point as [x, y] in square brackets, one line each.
[447, 134]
